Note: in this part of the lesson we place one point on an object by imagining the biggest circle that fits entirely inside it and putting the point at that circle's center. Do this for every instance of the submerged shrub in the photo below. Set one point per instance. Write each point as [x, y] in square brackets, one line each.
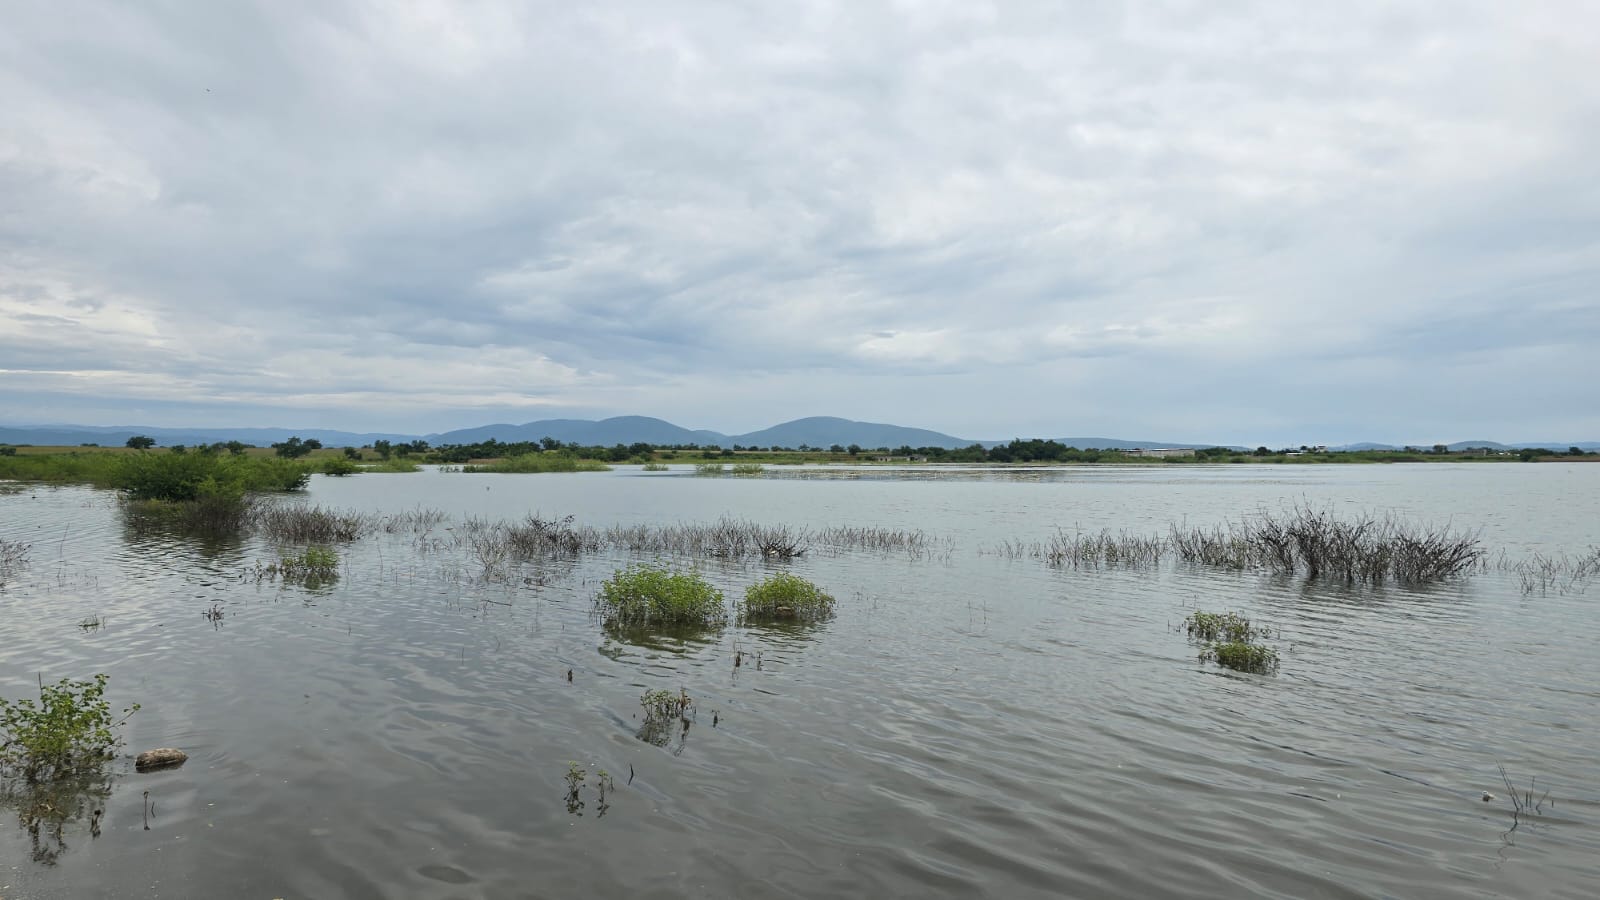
[310, 524]
[1229, 627]
[655, 467]
[314, 567]
[709, 469]
[650, 595]
[786, 596]
[68, 730]
[1241, 656]
[747, 469]
[339, 466]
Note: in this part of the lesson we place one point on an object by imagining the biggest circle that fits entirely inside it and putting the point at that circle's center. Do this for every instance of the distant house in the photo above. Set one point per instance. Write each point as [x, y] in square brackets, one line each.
[1161, 451]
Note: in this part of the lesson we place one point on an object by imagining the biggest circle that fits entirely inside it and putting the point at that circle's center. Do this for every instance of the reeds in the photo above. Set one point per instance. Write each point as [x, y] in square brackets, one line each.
[1558, 573]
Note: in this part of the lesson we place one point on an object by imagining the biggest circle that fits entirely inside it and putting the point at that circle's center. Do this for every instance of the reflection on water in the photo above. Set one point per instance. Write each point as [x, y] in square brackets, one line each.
[967, 723]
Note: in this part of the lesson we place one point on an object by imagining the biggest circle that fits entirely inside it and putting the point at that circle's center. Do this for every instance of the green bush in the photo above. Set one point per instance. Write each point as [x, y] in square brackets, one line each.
[649, 595]
[747, 469]
[339, 466]
[709, 469]
[786, 596]
[1241, 656]
[191, 476]
[70, 729]
[655, 467]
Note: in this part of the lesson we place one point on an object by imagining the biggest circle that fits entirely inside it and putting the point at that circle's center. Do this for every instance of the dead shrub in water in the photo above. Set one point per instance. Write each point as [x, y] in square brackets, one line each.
[1316, 543]
[311, 524]
[416, 521]
[1082, 551]
[13, 556]
[536, 537]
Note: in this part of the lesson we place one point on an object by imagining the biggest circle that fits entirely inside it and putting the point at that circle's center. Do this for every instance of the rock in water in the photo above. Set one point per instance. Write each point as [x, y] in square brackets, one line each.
[161, 758]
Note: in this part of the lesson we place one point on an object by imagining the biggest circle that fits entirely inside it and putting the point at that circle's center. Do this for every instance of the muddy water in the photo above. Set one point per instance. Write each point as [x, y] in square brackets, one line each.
[970, 724]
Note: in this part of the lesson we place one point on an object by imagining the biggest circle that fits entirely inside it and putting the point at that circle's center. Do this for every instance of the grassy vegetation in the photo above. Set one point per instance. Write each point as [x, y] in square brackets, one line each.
[394, 464]
[655, 467]
[786, 596]
[1242, 657]
[747, 468]
[314, 567]
[1228, 627]
[68, 730]
[710, 469]
[539, 462]
[642, 595]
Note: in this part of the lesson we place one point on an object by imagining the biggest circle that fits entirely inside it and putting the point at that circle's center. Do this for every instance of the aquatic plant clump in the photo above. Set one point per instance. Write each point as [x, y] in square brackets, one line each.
[786, 596]
[1242, 657]
[314, 567]
[70, 729]
[311, 524]
[747, 469]
[1228, 627]
[642, 595]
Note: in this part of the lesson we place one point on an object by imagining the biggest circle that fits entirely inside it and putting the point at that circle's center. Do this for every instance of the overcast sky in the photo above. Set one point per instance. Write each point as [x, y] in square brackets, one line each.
[1189, 221]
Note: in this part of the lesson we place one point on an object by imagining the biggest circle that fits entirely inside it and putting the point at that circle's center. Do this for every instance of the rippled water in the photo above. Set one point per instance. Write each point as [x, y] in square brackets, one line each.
[969, 724]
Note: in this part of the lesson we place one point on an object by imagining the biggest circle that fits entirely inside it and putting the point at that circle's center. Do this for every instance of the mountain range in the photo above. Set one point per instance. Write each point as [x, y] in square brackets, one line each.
[816, 431]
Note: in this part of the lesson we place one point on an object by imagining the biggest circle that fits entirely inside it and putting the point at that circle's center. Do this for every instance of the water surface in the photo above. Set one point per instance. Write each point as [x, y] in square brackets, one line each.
[968, 724]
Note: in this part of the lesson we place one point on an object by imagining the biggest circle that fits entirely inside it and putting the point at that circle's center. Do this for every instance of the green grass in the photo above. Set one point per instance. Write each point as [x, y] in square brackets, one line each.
[539, 462]
[642, 595]
[393, 464]
[710, 469]
[161, 476]
[786, 596]
[1242, 657]
[747, 468]
[655, 467]
[68, 730]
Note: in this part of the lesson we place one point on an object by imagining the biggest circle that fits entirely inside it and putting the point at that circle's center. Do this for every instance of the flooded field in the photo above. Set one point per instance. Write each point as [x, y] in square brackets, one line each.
[438, 713]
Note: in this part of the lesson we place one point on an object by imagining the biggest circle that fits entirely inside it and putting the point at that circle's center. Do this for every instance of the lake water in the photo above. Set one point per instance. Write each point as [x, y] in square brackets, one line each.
[970, 723]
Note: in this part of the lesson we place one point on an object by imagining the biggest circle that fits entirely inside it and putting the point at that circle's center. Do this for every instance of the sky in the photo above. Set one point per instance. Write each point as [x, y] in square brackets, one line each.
[1188, 221]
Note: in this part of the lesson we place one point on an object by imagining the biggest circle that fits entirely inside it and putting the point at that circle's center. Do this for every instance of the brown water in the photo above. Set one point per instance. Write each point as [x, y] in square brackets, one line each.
[969, 724]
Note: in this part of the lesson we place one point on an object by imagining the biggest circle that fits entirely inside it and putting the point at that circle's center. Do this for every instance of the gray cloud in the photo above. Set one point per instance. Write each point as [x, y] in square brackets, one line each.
[1259, 222]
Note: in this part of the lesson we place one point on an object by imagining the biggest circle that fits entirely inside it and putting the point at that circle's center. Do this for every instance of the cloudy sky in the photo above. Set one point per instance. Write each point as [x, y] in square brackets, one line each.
[1240, 222]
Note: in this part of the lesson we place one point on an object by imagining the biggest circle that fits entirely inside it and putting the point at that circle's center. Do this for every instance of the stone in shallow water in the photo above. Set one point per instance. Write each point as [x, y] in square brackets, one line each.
[160, 758]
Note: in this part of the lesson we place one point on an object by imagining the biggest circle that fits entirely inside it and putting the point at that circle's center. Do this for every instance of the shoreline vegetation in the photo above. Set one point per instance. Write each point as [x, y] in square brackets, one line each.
[265, 468]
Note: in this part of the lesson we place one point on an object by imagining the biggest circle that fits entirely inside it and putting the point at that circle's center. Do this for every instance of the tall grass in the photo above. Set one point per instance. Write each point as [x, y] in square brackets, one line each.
[530, 463]
[1093, 550]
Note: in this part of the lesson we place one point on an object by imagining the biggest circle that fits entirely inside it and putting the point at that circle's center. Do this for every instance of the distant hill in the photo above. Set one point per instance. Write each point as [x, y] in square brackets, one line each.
[605, 433]
[815, 431]
[825, 431]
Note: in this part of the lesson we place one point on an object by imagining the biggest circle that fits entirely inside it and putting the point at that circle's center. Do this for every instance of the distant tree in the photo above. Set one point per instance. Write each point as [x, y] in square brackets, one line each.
[8, 451]
[383, 448]
[1440, 448]
[294, 448]
[236, 448]
[178, 449]
[549, 444]
[141, 442]
[1262, 451]
[352, 453]
[853, 449]
[1574, 451]
[836, 449]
